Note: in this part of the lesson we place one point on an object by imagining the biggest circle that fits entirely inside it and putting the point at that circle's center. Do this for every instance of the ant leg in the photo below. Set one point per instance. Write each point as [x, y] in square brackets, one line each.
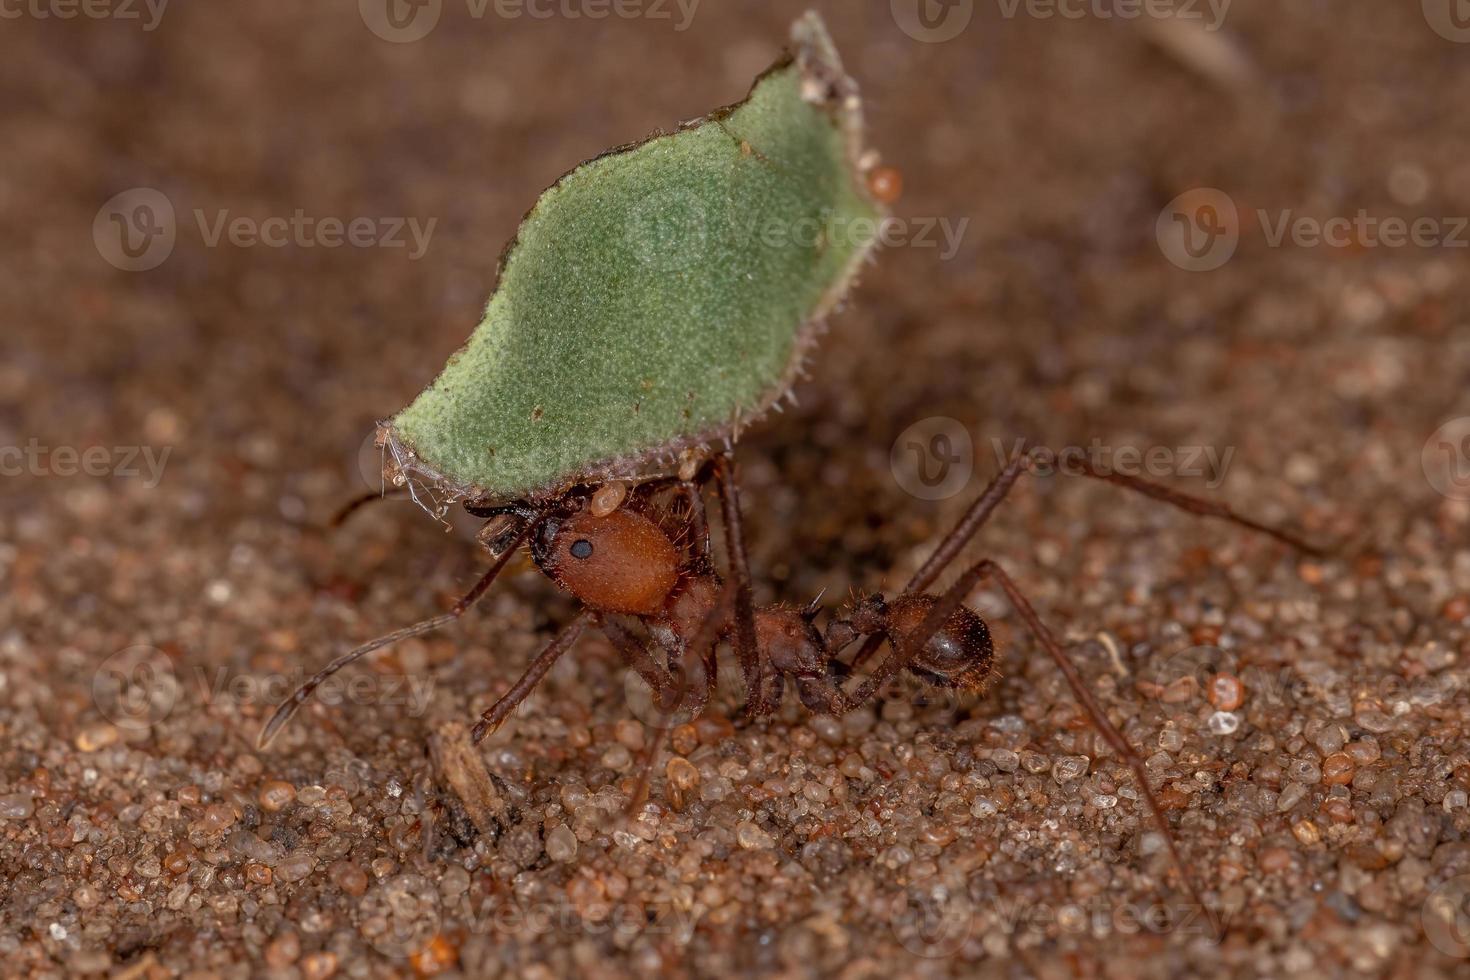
[751, 663]
[496, 714]
[289, 707]
[698, 520]
[974, 518]
[703, 648]
[1196, 505]
[667, 689]
[913, 642]
[979, 512]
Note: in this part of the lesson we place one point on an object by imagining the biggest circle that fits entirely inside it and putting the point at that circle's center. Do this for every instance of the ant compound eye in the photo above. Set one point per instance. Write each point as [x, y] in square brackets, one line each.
[622, 562]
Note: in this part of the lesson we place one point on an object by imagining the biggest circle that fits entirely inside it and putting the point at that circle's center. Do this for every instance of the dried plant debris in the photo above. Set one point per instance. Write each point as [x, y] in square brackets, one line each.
[462, 768]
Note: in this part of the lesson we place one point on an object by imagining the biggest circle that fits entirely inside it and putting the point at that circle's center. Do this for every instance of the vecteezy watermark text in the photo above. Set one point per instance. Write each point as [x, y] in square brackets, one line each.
[1208, 463]
[137, 229]
[401, 914]
[934, 458]
[139, 686]
[410, 692]
[940, 928]
[681, 12]
[406, 21]
[1200, 230]
[676, 229]
[123, 462]
[1364, 230]
[936, 21]
[1193, 669]
[149, 12]
[306, 231]
[1211, 13]
[817, 232]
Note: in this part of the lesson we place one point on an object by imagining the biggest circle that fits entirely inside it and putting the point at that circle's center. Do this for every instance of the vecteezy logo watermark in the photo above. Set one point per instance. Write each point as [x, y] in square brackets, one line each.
[122, 462]
[1222, 677]
[669, 231]
[623, 919]
[1196, 664]
[933, 458]
[149, 12]
[135, 688]
[676, 228]
[135, 230]
[401, 915]
[1450, 19]
[1199, 230]
[939, 925]
[1446, 917]
[687, 693]
[408, 693]
[932, 21]
[1446, 458]
[406, 21]
[1364, 230]
[1208, 463]
[1211, 13]
[401, 21]
[306, 231]
[820, 231]
[933, 926]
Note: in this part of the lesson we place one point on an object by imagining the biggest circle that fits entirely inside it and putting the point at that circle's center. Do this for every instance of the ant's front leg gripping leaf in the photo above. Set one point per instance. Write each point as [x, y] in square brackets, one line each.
[657, 297]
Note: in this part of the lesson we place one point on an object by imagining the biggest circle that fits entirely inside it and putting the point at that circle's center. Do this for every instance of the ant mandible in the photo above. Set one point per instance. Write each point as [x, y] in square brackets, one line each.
[637, 556]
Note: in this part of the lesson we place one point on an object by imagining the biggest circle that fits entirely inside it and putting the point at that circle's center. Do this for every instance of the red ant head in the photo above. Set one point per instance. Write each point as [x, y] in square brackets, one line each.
[620, 563]
[959, 654]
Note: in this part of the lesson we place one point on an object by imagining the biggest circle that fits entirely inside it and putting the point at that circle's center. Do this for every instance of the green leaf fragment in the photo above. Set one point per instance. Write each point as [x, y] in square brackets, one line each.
[656, 298]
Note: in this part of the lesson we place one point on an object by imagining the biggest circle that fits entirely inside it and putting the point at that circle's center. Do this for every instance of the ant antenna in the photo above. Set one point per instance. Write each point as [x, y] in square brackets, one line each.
[354, 505]
[291, 705]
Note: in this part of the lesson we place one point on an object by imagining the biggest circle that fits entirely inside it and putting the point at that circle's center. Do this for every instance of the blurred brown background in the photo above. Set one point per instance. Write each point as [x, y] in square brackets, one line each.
[1058, 142]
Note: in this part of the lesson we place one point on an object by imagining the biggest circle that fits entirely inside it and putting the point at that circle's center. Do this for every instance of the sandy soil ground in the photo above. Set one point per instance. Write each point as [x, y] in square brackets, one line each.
[175, 436]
